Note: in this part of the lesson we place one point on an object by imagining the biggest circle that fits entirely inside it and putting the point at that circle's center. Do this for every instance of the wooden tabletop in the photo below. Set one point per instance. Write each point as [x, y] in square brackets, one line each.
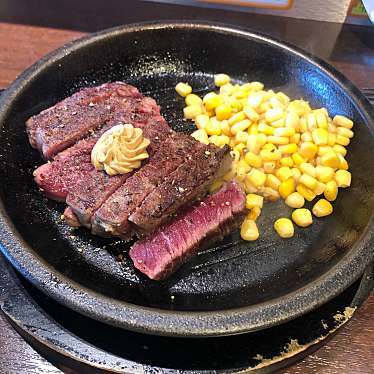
[349, 48]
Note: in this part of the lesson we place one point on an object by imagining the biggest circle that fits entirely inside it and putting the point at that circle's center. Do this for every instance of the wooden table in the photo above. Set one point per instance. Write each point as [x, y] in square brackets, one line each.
[349, 48]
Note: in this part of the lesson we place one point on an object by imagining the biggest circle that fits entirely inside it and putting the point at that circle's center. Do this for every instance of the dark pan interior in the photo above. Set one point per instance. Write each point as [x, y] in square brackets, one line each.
[233, 273]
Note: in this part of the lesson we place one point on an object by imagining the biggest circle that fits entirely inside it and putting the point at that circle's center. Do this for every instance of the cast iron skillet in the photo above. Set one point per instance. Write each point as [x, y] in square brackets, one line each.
[234, 287]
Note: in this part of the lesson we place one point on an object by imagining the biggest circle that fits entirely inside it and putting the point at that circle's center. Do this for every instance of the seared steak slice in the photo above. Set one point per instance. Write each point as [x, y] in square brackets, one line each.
[71, 166]
[158, 255]
[112, 217]
[185, 184]
[88, 195]
[60, 126]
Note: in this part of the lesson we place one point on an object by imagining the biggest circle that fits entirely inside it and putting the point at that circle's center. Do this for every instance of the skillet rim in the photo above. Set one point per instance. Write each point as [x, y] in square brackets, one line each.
[183, 323]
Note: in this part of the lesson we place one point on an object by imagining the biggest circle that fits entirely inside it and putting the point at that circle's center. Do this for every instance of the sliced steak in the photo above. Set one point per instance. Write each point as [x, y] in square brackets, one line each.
[158, 255]
[89, 194]
[60, 126]
[112, 217]
[70, 167]
[184, 185]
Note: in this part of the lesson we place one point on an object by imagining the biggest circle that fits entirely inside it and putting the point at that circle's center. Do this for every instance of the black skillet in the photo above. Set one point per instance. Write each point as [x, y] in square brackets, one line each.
[234, 287]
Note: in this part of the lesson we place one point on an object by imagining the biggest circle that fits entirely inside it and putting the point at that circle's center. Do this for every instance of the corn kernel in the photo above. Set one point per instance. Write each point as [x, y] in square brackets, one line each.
[223, 111]
[251, 113]
[272, 181]
[249, 230]
[299, 106]
[342, 121]
[237, 117]
[253, 200]
[287, 187]
[215, 186]
[213, 128]
[343, 162]
[308, 150]
[269, 167]
[219, 140]
[324, 173]
[254, 213]
[273, 114]
[331, 138]
[225, 128]
[298, 159]
[283, 97]
[269, 147]
[340, 149]
[235, 154]
[253, 130]
[221, 79]
[323, 149]
[302, 217]
[308, 181]
[321, 119]
[286, 161]
[267, 155]
[322, 208]
[296, 173]
[279, 123]
[255, 99]
[308, 168]
[257, 86]
[226, 89]
[278, 139]
[201, 121]
[229, 175]
[253, 144]
[331, 190]
[331, 127]
[342, 140]
[284, 173]
[292, 120]
[295, 138]
[275, 102]
[320, 136]
[284, 228]
[253, 160]
[264, 107]
[264, 128]
[343, 178]
[303, 126]
[201, 136]
[311, 121]
[306, 192]
[256, 177]
[240, 126]
[191, 111]
[250, 188]
[330, 159]
[241, 137]
[288, 148]
[192, 99]
[211, 100]
[320, 188]
[344, 132]
[295, 200]
[239, 147]
[183, 89]
[269, 193]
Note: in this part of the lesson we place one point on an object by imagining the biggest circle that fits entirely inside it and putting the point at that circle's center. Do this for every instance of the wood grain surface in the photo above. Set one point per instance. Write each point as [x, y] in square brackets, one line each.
[350, 50]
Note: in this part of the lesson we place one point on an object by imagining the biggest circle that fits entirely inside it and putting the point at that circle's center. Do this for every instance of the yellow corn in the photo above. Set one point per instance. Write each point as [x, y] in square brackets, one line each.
[221, 79]
[269, 167]
[281, 140]
[284, 173]
[215, 186]
[254, 213]
[253, 144]
[283, 97]
[229, 175]
[240, 126]
[256, 177]
[213, 128]
[255, 99]
[235, 154]
[253, 200]
[225, 128]
[295, 138]
[269, 193]
[201, 136]
[284, 131]
[226, 89]
[322, 208]
[323, 149]
[306, 137]
[343, 162]
[296, 173]
[303, 126]
[253, 160]
[292, 120]
[249, 230]
[295, 200]
[269, 147]
[267, 155]
[308, 181]
[306, 192]
[284, 228]
[308, 168]
[239, 147]
[298, 158]
[311, 121]
[320, 188]
[251, 113]
[286, 161]
[331, 190]
[219, 140]
[343, 178]
[287, 187]
[273, 114]
[192, 99]
[320, 136]
[253, 129]
[201, 121]
[211, 100]
[241, 137]
[340, 149]
[342, 121]
[183, 89]
[240, 116]
[342, 140]
[344, 132]
[302, 217]
[257, 86]
[308, 150]
[279, 123]
[265, 129]
[330, 159]
[324, 173]
[223, 111]
[191, 111]
[272, 181]
[331, 139]
[321, 120]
